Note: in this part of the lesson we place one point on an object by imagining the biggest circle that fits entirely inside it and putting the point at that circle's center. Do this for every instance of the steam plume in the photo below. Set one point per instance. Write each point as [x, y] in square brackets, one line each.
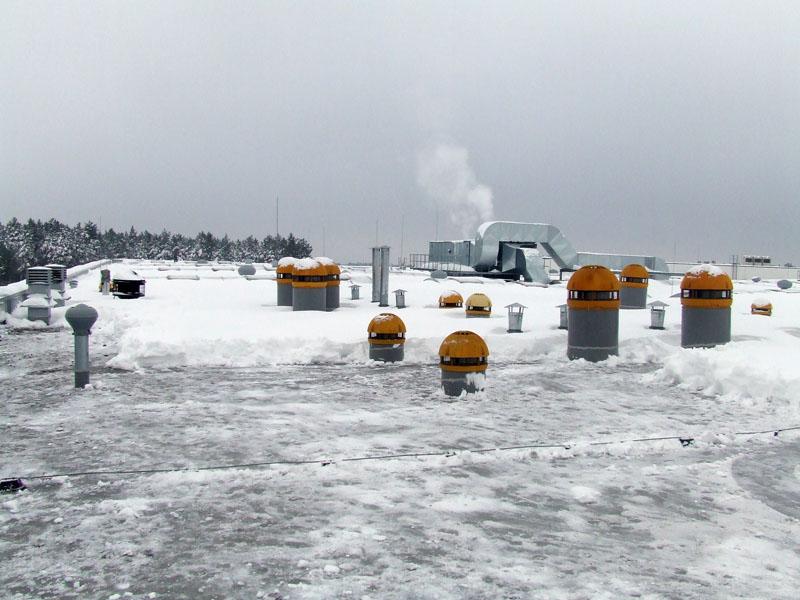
[443, 171]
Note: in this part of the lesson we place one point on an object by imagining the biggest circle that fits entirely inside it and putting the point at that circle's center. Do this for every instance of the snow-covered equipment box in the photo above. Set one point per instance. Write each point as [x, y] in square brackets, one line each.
[126, 283]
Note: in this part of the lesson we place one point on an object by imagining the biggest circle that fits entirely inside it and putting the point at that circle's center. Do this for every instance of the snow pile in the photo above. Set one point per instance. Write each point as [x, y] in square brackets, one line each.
[761, 302]
[306, 264]
[584, 494]
[382, 318]
[324, 261]
[287, 261]
[37, 301]
[124, 273]
[742, 372]
[712, 270]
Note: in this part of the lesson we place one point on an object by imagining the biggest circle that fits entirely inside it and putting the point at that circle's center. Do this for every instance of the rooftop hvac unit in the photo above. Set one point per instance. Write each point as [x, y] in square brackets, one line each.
[40, 280]
[59, 273]
[39, 276]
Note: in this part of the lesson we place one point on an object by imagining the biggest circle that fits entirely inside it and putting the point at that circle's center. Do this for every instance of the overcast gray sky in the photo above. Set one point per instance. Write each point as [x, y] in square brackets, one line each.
[633, 126]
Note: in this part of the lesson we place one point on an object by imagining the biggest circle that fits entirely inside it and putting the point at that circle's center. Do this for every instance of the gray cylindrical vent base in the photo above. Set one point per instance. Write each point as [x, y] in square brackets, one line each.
[37, 313]
[304, 298]
[386, 353]
[284, 294]
[332, 297]
[454, 383]
[705, 327]
[81, 379]
[81, 353]
[593, 334]
[81, 360]
[633, 298]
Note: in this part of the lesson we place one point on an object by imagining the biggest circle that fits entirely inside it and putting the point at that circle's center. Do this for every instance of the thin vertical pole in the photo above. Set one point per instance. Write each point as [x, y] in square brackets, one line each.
[277, 214]
[384, 284]
[402, 234]
[376, 274]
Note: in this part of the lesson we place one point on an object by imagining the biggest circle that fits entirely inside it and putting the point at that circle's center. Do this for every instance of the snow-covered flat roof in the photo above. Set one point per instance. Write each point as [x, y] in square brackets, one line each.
[345, 478]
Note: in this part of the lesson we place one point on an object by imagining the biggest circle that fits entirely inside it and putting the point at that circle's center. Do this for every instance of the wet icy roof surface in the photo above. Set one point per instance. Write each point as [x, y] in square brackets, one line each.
[714, 519]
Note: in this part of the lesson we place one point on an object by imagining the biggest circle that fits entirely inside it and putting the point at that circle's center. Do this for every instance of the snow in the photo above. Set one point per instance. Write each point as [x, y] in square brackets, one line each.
[584, 494]
[306, 264]
[36, 301]
[382, 318]
[552, 483]
[712, 270]
[761, 302]
[287, 261]
[124, 273]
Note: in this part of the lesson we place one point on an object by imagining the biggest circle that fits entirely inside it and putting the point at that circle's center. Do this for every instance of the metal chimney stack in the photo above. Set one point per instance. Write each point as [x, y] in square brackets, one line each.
[380, 275]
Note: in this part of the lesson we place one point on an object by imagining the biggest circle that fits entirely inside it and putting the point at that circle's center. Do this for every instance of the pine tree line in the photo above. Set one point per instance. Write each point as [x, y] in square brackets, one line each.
[33, 243]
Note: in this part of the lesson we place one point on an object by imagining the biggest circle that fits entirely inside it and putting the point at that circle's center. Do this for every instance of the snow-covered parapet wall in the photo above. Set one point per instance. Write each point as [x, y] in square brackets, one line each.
[83, 269]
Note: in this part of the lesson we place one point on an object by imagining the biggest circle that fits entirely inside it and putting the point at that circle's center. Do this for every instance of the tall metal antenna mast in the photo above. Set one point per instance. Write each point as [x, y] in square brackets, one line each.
[277, 205]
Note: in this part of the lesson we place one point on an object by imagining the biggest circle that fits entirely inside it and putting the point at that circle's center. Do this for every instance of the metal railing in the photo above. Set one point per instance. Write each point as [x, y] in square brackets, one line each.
[422, 262]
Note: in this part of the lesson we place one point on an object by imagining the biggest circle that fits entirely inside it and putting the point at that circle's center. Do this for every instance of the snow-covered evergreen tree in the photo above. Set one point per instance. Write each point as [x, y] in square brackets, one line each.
[40, 243]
